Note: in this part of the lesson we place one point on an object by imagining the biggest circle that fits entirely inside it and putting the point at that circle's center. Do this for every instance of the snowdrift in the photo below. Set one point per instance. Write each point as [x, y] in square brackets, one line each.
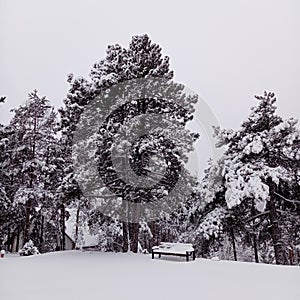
[80, 275]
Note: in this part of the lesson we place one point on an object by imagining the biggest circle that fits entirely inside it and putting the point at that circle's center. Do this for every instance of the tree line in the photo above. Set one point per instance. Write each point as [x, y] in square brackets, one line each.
[246, 207]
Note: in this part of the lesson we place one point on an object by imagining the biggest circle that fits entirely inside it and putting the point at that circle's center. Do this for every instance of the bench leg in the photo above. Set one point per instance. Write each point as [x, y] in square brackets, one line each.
[152, 255]
[187, 256]
[194, 255]
[159, 255]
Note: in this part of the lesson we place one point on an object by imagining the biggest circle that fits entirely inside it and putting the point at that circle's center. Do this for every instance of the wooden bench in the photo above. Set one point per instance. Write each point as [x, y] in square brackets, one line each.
[175, 249]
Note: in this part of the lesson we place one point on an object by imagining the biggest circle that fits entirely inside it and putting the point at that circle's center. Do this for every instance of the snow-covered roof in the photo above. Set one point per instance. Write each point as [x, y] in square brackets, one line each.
[86, 239]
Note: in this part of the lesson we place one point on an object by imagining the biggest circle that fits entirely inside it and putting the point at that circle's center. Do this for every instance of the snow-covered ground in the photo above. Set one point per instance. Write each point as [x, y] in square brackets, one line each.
[79, 275]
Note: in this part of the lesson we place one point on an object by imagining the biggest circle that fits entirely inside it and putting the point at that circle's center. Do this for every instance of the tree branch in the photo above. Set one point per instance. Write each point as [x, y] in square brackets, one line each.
[258, 216]
[288, 200]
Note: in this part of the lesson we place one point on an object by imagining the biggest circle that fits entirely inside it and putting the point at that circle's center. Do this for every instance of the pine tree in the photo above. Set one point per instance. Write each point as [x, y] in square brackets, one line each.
[30, 162]
[142, 59]
[259, 160]
[6, 209]
[29, 249]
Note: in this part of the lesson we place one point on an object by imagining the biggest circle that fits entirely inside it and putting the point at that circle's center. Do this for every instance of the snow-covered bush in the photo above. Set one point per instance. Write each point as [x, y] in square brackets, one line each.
[29, 249]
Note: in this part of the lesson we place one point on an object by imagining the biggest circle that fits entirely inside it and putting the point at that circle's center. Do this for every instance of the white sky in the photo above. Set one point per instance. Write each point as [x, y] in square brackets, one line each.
[226, 51]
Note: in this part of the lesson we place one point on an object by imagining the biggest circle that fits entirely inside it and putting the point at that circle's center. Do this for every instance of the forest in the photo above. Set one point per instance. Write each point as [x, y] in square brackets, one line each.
[245, 208]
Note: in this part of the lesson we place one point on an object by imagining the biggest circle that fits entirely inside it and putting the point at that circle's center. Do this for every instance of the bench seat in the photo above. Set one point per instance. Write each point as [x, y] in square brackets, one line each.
[176, 249]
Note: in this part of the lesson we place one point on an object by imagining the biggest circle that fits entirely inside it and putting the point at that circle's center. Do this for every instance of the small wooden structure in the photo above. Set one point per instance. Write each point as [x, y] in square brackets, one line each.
[175, 249]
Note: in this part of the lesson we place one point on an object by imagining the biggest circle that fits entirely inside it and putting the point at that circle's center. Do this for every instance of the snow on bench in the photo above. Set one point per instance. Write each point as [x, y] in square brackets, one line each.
[176, 249]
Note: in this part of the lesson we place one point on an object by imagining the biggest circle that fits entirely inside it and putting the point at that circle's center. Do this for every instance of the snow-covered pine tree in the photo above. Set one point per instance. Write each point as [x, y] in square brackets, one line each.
[259, 160]
[30, 164]
[47, 220]
[69, 193]
[140, 60]
[215, 224]
[6, 209]
[29, 249]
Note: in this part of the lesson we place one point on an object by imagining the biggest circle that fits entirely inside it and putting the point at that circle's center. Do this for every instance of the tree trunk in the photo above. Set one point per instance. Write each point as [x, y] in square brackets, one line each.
[154, 234]
[8, 239]
[27, 221]
[134, 227]
[280, 255]
[125, 236]
[233, 243]
[77, 225]
[42, 234]
[63, 228]
[18, 239]
[125, 225]
[134, 236]
[253, 212]
[255, 248]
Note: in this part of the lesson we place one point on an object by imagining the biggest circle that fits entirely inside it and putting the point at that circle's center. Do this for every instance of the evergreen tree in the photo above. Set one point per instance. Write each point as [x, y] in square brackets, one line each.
[259, 161]
[142, 59]
[6, 209]
[30, 165]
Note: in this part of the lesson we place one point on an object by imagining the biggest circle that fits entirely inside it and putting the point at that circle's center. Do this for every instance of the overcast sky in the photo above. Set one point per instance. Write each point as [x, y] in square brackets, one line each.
[226, 51]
